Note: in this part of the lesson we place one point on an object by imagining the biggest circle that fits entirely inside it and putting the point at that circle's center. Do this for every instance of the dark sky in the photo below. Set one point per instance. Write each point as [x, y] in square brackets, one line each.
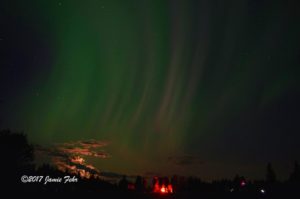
[193, 87]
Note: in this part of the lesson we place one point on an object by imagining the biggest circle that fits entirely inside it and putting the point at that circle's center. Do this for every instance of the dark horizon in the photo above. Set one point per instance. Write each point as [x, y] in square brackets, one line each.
[23, 176]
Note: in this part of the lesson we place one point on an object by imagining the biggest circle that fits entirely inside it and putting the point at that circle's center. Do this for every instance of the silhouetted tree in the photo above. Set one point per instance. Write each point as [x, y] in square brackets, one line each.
[139, 183]
[295, 175]
[270, 175]
[236, 179]
[174, 182]
[16, 154]
[123, 184]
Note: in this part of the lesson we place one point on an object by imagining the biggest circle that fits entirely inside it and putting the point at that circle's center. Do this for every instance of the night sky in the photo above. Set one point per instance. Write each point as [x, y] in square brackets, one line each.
[194, 87]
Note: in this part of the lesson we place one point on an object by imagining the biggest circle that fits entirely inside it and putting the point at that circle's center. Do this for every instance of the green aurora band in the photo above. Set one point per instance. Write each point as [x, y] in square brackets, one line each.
[159, 79]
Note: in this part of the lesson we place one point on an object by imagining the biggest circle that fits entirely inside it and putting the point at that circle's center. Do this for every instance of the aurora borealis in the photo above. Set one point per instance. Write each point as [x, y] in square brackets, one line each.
[195, 87]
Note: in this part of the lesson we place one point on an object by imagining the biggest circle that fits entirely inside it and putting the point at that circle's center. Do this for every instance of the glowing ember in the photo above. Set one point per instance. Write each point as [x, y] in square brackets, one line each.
[163, 189]
[156, 188]
[170, 188]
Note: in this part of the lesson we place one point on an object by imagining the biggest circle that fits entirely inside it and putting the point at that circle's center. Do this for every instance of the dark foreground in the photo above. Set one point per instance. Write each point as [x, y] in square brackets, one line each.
[104, 190]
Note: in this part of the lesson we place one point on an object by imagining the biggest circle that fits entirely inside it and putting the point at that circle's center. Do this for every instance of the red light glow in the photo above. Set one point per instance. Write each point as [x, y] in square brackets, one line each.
[163, 189]
[170, 188]
[243, 183]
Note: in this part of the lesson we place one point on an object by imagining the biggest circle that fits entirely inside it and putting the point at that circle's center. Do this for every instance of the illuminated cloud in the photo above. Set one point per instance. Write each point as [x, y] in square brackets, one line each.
[70, 156]
[92, 143]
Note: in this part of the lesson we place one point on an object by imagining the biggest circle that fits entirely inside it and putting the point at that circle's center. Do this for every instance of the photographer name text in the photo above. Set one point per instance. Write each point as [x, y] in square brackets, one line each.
[48, 179]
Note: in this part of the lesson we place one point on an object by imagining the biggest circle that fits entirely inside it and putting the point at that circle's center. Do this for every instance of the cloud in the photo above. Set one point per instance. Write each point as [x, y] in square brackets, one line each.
[70, 156]
[92, 143]
[185, 160]
[84, 152]
[85, 144]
